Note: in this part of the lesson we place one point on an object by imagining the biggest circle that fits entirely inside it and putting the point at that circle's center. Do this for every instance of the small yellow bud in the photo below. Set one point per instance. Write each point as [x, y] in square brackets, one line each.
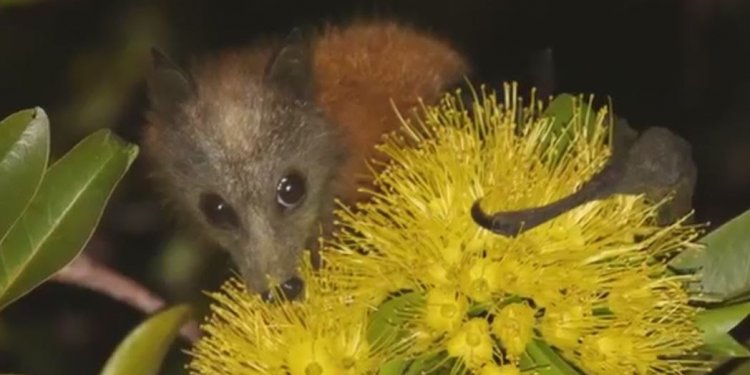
[475, 245]
[562, 326]
[452, 252]
[311, 357]
[631, 295]
[445, 309]
[514, 326]
[472, 343]
[423, 338]
[482, 280]
[313, 369]
[616, 350]
[351, 348]
[493, 369]
[437, 274]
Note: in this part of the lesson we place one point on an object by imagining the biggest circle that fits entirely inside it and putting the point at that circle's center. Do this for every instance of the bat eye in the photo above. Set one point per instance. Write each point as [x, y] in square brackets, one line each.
[218, 212]
[290, 190]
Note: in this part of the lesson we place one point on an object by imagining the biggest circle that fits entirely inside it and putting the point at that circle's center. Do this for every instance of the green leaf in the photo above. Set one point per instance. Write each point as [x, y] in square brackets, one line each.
[394, 367]
[387, 322]
[143, 350]
[63, 214]
[425, 364]
[428, 365]
[17, 3]
[561, 109]
[724, 262]
[387, 326]
[24, 150]
[742, 369]
[689, 260]
[724, 345]
[571, 116]
[716, 324]
[547, 361]
[526, 363]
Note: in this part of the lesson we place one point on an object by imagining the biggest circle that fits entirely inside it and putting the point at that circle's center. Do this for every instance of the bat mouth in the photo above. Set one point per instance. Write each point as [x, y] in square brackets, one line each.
[290, 290]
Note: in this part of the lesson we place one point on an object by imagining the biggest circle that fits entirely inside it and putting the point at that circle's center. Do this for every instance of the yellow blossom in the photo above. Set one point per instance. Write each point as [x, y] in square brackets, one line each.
[322, 335]
[591, 279]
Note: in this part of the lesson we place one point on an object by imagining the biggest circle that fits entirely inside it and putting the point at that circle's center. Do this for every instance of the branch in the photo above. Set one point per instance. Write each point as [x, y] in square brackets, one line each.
[87, 273]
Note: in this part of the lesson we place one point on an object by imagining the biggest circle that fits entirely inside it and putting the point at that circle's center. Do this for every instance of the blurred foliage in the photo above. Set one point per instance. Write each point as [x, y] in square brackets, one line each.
[143, 350]
[667, 63]
[16, 3]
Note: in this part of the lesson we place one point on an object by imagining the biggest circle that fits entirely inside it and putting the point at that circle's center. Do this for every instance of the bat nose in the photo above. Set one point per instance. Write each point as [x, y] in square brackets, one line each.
[289, 290]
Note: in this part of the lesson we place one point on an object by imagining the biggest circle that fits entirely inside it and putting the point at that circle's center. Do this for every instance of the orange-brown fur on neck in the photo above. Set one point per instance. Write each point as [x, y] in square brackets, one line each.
[362, 68]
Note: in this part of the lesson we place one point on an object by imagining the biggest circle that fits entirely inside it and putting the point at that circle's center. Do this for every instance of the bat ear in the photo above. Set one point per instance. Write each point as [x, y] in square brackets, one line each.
[542, 72]
[168, 86]
[291, 68]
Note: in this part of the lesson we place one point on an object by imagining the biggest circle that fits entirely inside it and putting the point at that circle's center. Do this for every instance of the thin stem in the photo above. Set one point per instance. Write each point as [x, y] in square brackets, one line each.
[87, 273]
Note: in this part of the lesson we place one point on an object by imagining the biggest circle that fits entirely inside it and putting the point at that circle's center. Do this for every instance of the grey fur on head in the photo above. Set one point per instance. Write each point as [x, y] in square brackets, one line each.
[236, 136]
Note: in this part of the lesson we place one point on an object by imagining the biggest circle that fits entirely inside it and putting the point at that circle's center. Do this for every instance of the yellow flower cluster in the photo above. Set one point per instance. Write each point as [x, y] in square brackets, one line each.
[319, 336]
[589, 283]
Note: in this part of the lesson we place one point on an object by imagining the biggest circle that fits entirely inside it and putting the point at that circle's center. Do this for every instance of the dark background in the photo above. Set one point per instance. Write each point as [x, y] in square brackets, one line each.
[682, 64]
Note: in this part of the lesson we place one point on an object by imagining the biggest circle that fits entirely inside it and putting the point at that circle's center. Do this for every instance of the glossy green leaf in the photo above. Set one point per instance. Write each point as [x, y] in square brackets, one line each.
[143, 350]
[387, 322]
[724, 262]
[24, 150]
[561, 109]
[546, 360]
[716, 324]
[63, 214]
